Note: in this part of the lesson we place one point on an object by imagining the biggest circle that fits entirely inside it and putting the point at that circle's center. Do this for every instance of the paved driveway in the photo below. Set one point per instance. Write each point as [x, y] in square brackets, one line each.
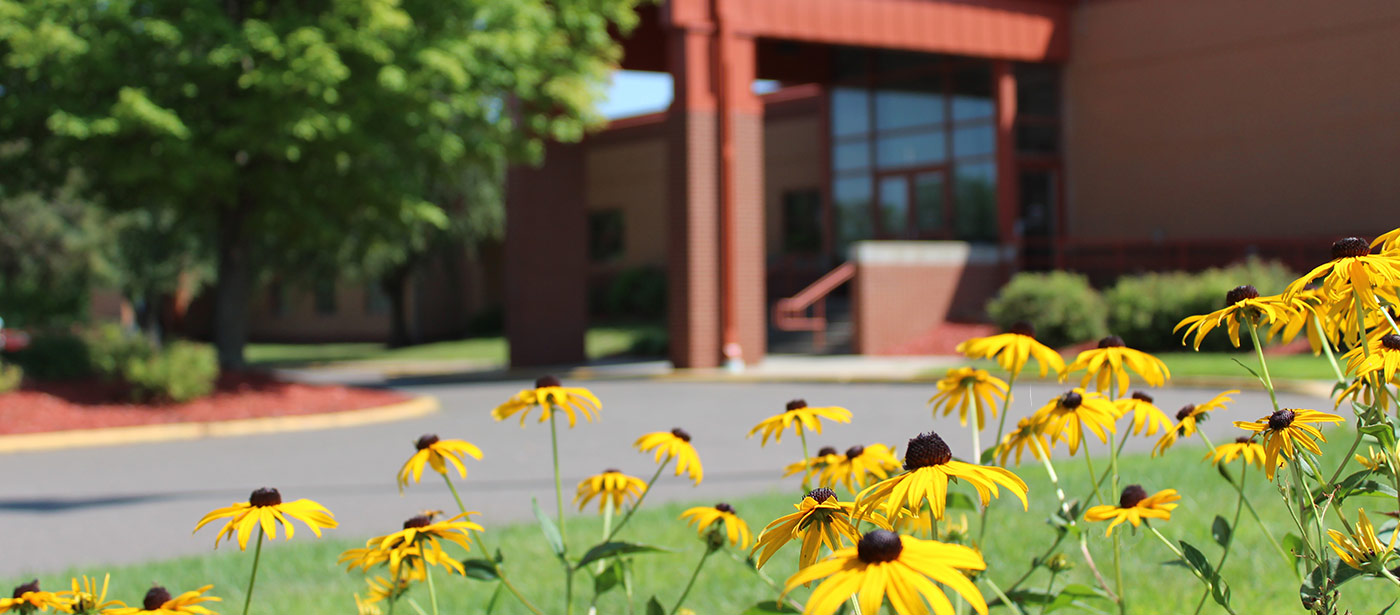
[112, 505]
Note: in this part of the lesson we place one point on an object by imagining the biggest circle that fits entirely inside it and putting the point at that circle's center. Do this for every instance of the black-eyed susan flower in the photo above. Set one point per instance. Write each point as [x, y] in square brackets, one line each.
[437, 453]
[1380, 358]
[265, 509]
[1242, 306]
[365, 607]
[1353, 274]
[1187, 419]
[1363, 550]
[813, 466]
[1146, 415]
[158, 601]
[1285, 428]
[421, 538]
[88, 599]
[28, 598]
[928, 464]
[799, 416]
[1365, 392]
[1014, 349]
[1251, 451]
[1069, 416]
[966, 389]
[1304, 312]
[550, 395]
[820, 520]
[1111, 361]
[382, 589]
[736, 532]
[859, 466]
[612, 485]
[1375, 461]
[883, 564]
[1388, 241]
[1027, 435]
[1134, 505]
[673, 444]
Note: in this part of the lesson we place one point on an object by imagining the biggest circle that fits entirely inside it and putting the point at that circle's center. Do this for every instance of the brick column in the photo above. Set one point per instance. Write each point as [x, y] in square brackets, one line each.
[546, 260]
[746, 252]
[1008, 174]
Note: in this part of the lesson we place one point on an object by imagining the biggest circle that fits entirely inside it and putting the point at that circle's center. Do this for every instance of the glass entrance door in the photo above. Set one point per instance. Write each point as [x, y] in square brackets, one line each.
[912, 204]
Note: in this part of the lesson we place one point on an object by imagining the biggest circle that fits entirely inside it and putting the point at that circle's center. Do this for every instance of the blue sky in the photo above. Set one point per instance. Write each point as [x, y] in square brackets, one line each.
[636, 92]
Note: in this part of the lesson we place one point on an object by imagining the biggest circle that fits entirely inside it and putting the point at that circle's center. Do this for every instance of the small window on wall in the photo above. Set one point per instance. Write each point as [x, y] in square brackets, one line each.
[324, 296]
[802, 221]
[605, 233]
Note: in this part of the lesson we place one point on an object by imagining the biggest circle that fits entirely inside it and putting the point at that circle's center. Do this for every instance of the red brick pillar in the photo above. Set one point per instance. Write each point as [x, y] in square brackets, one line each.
[1008, 174]
[546, 260]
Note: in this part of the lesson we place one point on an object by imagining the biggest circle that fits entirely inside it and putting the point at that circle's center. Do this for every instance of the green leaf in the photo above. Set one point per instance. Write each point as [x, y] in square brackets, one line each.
[480, 569]
[615, 548]
[1197, 560]
[1220, 531]
[1220, 591]
[1073, 595]
[959, 501]
[1383, 433]
[1325, 579]
[769, 607]
[986, 457]
[1292, 543]
[551, 531]
[610, 578]
[654, 607]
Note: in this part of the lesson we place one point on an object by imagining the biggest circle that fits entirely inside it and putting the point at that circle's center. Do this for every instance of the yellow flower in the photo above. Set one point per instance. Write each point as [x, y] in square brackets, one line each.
[1353, 273]
[437, 453]
[613, 485]
[885, 563]
[1070, 414]
[1112, 359]
[28, 598]
[382, 589]
[820, 520]
[1302, 308]
[813, 466]
[1187, 418]
[1382, 356]
[1374, 461]
[549, 395]
[418, 542]
[1253, 452]
[735, 530]
[1145, 414]
[1027, 435]
[1365, 392]
[1388, 242]
[928, 464]
[1243, 305]
[858, 466]
[674, 443]
[365, 607]
[799, 416]
[159, 602]
[265, 509]
[1013, 349]
[1363, 549]
[88, 599]
[1134, 505]
[1283, 428]
[966, 388]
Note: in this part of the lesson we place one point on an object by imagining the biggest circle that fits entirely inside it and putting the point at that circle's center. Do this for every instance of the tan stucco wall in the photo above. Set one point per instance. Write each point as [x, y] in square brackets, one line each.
[792, 149]
[631, 176]
[1219, 118]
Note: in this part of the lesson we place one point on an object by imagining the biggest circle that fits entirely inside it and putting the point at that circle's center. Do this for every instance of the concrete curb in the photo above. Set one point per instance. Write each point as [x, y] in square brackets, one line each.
[112, 436]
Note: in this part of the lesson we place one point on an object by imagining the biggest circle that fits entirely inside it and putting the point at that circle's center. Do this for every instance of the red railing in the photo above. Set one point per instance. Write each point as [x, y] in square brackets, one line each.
[790, 314]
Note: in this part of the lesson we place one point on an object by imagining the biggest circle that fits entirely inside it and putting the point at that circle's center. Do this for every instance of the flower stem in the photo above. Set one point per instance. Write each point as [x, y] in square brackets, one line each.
[1327, 348]
[1263, 365]
[693, 575]
[257, 556]
[806, 476]
[1089, 560]
[1118, 575]
[977, 444]
[764, 577]
[628, 517]
[394, 595]
[1230, 541]
[1084, 441]
[432, 591]
[486, 553]
[1001, 594]
[558, 484]
[1183, 559]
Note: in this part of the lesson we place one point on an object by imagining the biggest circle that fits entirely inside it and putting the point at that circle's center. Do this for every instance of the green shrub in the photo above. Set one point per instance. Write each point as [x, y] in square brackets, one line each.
[10, 377]
[111, 348]
[650, 343]
[55, 356]
[179, 372]
[637, 293]
[1143, 309]
[1062, 306]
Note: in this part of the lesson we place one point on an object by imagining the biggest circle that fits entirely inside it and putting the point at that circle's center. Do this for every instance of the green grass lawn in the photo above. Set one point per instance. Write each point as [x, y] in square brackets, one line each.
[600, 341]
[302, 577]
[1201, 364]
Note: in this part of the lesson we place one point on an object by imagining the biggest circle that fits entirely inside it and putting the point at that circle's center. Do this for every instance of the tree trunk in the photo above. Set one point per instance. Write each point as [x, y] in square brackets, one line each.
[232, 288]
[395, 286]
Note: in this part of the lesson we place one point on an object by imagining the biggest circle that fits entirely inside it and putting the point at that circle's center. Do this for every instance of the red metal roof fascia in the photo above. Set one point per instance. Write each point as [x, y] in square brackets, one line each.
[1022, 30]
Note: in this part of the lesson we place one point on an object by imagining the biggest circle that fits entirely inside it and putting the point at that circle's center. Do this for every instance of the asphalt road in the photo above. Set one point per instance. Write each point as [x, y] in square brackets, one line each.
[113, 505]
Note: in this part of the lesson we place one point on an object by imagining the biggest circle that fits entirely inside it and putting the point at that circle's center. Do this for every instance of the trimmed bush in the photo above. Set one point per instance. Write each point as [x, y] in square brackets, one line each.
[637, 293]
[180, 372]
[55, 356]
[1143, 309]
[10, 377]
[110, 348]
[1063, 307]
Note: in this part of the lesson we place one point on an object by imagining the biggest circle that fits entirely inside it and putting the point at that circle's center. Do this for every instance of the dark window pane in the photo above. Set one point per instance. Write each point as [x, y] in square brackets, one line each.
[849, 63]
[802, 221]
[850, 156]
[1038, 138]
[850, 111]
[605, 234]
[929, 210]
[851, 197]
[911, 150]
[976, 194]
[1038, 90]
[972, 93]
[903, 62]
[1038, 195]
[909, 104]
[978, 140]
[894, 206]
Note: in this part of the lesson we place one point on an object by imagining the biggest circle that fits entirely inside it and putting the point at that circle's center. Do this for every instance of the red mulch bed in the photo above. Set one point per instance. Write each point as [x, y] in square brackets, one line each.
[89, 404]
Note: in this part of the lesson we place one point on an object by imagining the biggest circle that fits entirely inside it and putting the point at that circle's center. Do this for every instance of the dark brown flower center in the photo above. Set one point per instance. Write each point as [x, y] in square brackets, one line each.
[547, 381]
[681, 433]
[418, 521]
[796, 404]
[1185, 411]
[1242, 440]
[1391, 341]
[926, 449]
[724, 507]
[1071, 400]
[854, 451]
[156, 597]
[821, 494]
[427, 440]
[826, 450]
[1140, 396]
[267, 496]
[1350, 247]
[879, 546]
[1132, 494]
[32, 586]
[1022, 327]
[612, 471]
[1112, 341]
[1281, 419]
[1240, 293]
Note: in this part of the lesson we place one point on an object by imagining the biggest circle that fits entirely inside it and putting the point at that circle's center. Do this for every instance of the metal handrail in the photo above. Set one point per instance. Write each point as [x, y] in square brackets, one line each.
[790, 314]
